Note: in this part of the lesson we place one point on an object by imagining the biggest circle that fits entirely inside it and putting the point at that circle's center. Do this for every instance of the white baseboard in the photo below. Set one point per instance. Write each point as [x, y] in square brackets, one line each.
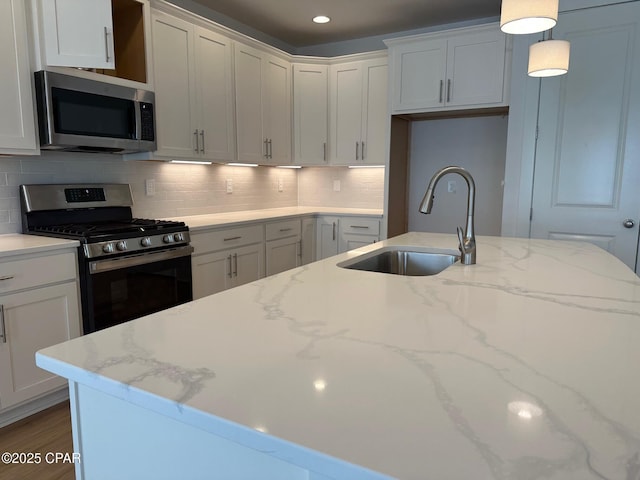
[24, 410]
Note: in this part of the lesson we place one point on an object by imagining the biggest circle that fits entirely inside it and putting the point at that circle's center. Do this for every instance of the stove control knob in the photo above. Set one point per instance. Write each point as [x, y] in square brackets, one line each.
[167, 239]
[121, 245]
[107, 248]
[145, 242]
[178, 237]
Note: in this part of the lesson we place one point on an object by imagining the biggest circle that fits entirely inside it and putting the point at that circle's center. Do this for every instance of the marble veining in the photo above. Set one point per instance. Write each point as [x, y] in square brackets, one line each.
[520, 367]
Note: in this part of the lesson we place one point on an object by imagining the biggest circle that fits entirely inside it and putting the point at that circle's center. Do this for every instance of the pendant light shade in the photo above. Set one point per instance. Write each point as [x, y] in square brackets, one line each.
[549, 58]
[528, 16]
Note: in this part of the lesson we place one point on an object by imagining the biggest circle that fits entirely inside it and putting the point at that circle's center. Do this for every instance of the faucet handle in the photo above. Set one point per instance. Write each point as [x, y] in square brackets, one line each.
[463, 250]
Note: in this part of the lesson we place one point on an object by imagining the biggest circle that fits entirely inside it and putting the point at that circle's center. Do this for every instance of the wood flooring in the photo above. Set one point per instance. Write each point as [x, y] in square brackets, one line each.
[47, 431]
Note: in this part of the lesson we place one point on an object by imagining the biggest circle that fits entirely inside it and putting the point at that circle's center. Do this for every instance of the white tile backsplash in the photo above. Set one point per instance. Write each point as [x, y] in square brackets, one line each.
[184, 189]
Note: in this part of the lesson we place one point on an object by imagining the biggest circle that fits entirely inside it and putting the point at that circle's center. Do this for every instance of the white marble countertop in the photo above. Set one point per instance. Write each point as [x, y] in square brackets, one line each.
[17, 244]
[522, 366]
[202, 222]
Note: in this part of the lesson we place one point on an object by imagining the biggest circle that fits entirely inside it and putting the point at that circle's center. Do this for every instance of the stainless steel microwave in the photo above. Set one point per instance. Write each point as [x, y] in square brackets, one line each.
[77, 114]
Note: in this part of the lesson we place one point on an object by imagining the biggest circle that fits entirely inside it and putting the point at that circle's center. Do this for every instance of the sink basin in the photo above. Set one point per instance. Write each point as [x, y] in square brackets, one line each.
[414, 261]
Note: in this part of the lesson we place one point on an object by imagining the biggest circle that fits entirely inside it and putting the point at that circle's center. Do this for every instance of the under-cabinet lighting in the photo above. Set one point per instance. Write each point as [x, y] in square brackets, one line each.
[242, 164]
[366, 166]
[321, 19]
[288, 166]
[191, 162]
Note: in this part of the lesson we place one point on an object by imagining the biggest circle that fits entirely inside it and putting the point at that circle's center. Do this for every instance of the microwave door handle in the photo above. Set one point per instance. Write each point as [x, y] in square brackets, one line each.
[138, 113]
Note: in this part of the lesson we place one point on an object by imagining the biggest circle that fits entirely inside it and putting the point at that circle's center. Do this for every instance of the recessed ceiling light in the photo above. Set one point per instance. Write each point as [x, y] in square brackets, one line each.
[321, 19]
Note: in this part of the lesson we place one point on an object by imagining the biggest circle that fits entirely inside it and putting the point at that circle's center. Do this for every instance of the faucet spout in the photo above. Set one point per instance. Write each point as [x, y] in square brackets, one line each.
[467, 242]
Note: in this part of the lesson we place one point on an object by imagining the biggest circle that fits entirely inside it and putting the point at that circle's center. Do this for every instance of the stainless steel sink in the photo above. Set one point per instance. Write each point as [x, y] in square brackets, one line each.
[415, 261]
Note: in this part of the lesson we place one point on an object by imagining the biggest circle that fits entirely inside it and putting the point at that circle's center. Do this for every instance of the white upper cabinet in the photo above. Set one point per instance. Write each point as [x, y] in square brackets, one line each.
[358, 112]
[17, 126]
[263, 107]
[194, 91]
[77, 33]
[457, 69]
[310, 114]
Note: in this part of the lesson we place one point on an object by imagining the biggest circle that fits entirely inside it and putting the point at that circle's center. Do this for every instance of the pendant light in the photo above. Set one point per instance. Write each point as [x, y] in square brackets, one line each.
[549, 58]
[528, 16]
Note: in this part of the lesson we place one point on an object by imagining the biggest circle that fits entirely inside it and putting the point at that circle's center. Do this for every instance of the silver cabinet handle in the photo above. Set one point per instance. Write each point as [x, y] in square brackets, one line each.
[106, 44]
[235, 264]
[441, 89]
[231, 238]
[270, 144]
[359, 226]
[3, 334]
[286, 229]
[448, 90]
[195, 134]
[362, 151]
[266, 148]
[334, 231]
[324, 151]
[202, 137]
[6, 277]
[628, 223]
[357, 150]
[230, 274]
[300, 245]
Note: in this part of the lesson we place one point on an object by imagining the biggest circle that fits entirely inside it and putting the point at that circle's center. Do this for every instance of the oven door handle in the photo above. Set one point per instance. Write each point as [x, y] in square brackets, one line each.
[106, 265]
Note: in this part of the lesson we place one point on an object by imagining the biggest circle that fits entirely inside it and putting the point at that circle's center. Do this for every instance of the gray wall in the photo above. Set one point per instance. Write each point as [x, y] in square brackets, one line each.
[477, 144]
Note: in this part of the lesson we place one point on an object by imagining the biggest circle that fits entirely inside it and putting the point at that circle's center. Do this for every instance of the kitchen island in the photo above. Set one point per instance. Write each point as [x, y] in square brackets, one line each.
[522, 366]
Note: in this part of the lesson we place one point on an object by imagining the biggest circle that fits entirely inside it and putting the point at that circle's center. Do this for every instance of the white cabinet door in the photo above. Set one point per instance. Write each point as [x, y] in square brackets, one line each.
[17, 123]
[248, 264]
[34, 320]
[350, 241]
[283, 254]
[212, 273]
[327, 237]
[346, 113]
[214, 86]
[78, 33]
[419, 69]
[174, 59]
[276, 110]
[475, 69]
[310, 114]
[588, 150]
[375, 112]
[252, 145]
[308, 240]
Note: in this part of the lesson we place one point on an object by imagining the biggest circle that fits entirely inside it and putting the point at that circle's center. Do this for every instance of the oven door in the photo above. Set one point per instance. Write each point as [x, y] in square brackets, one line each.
[121, 289]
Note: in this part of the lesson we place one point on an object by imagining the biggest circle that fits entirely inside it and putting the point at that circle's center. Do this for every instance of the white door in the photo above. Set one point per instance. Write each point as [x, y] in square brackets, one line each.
[475, 68]
[373, 150]
[346, 113]
[34, 320]
[17, 127]
[282, 254]
[252, 146]
[248, 264]
[174, 87]
[310, 114]
[276, 110]
[587, 167]
[212, 273]
[308, 240]
[78, 33]
[327, 237]
[216, 122]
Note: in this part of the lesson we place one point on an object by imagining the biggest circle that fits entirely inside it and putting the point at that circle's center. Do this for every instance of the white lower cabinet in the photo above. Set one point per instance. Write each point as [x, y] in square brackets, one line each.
[341, 234]
[37, 309]
[226, 258]
[283, 247]
[308, 240]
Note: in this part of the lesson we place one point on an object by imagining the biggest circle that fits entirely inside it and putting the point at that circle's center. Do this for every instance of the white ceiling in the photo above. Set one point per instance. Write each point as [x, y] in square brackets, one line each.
[290, 20]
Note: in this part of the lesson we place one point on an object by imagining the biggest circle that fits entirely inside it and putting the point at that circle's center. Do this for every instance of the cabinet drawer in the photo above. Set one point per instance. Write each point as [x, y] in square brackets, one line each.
[227, 238]
[361, 226]
[32, 272]
[287, 228]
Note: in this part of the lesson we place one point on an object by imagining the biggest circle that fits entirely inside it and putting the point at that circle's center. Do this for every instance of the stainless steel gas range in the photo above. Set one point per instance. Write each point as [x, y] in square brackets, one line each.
[129, 267]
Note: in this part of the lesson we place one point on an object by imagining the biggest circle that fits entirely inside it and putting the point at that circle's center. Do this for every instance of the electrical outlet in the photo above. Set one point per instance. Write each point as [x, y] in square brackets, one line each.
[150, 187]
[336, 185]
[451, 186]
[229, 184]
[280, 184]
